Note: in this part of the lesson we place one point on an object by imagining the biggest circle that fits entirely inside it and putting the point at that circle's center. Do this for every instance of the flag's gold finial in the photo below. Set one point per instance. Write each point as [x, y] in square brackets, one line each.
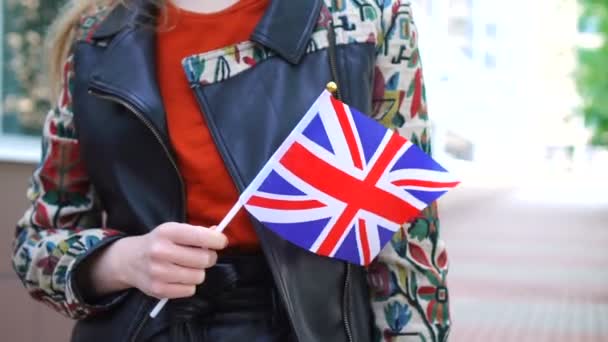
[332, 87]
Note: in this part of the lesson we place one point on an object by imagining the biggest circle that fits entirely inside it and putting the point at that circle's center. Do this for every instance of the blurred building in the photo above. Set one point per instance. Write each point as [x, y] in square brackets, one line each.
[22, 109]
[499, 77]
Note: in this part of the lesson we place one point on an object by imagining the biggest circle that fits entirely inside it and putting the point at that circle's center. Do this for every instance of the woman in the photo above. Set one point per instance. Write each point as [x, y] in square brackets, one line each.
[165, 111]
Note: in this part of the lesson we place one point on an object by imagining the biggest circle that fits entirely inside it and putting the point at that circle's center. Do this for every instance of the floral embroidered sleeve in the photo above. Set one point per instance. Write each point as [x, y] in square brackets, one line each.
[408, 280]
[58, 231]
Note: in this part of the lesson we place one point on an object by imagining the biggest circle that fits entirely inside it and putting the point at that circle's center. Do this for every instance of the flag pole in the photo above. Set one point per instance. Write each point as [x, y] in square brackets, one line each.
[332, 87]
[220, 228]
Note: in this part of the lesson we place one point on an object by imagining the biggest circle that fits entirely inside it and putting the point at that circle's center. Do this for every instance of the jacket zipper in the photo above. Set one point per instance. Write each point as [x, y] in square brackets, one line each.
[345, 306]
[138, 114]
[143, 322]
[333, 65]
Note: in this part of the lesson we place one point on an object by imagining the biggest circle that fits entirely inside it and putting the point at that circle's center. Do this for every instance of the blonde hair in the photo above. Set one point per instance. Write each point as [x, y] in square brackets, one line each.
[62, 34]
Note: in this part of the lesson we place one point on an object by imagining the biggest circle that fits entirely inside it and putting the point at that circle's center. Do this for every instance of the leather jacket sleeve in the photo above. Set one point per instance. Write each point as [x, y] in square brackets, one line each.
[62, 225]
[408, 279]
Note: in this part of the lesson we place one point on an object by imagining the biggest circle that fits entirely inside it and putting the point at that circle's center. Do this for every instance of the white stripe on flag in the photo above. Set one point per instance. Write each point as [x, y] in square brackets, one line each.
[349, 227]
[386, 185]
[372, 234]
[353, 128]
[283, 197]
[359, 238]
[379, 150]
[289, 216]
[425, 188]
[384, 182]
[334, 132]
[379, 220]
[423, 175]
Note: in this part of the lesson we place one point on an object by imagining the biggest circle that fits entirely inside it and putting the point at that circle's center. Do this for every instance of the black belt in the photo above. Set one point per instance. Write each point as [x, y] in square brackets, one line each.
[238, 287]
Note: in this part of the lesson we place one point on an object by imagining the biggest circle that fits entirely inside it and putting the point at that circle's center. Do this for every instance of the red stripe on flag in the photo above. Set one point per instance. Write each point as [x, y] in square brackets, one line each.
[338, 184]
[427, 184]
[348, 131]
[337, 231]
[395, 143]
[271, 203]
[364, 242]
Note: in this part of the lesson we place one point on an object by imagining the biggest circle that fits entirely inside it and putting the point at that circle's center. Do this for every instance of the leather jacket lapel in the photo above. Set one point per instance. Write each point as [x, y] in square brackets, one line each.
[127, 71]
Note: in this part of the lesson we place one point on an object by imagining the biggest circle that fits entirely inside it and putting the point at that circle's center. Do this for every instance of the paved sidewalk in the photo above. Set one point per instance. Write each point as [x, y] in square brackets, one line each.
[529, 263]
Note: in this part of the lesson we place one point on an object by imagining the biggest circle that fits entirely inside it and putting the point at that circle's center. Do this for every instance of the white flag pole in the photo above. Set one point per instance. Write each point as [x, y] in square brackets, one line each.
[220, 228]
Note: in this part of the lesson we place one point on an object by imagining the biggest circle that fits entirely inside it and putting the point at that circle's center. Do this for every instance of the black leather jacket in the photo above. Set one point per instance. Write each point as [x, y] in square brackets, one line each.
[124, 141]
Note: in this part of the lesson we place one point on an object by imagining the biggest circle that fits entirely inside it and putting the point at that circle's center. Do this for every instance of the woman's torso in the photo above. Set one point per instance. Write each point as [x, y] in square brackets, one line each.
[251, 95]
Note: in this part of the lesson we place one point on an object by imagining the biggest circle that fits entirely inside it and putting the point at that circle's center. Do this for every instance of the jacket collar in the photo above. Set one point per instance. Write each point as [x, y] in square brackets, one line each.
[128, 67]
[285, 27]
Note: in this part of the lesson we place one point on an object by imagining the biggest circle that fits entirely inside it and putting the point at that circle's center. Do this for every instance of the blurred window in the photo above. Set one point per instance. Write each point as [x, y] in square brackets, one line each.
[491, 30]
[460, 25]
[490, 60]
[425, 5]
[23, 81]
[23, 77]
[458, 147]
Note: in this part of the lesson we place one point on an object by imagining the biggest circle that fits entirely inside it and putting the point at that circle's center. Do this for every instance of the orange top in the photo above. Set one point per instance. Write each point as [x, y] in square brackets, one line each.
[209, 188]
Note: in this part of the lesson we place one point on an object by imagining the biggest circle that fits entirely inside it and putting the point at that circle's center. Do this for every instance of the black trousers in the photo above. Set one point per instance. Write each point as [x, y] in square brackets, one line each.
[237, 302]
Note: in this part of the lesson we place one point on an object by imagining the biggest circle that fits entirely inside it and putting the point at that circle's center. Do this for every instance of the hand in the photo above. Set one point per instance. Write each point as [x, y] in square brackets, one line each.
[168, 262]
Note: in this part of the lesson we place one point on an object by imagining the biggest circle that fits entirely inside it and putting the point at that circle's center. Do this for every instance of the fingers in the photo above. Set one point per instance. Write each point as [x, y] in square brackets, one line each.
[173, 274]
[174, 257]
[171, 291]
[197, 236]
[197, 258]
[211, 239]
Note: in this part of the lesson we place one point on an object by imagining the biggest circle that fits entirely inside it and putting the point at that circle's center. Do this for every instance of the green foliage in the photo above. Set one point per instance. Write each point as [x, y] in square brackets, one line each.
[592, 73]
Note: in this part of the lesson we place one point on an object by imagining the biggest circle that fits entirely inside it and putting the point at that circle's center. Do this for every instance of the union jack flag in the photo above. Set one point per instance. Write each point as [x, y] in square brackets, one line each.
[341, 184]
